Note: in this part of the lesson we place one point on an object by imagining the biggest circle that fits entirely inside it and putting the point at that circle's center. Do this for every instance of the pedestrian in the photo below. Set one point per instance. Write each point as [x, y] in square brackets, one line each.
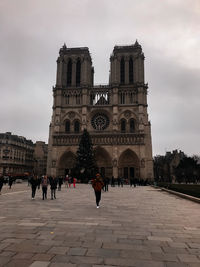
[44, 183]
[67, 181]
[97, 184]
[1, 183]
[106, 183]
[74, 182]
[10, 181]
[34, 184]
[113, 181]
[70, 181]
[118, 181]
[53, 183]
[122, 181]
[60, 182]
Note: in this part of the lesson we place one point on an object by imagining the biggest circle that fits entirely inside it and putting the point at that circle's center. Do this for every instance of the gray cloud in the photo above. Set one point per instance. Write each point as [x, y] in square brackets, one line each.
[169, 31]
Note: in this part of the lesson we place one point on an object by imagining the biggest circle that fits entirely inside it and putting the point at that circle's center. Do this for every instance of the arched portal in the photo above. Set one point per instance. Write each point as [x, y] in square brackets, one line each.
[104, 162]
[129, 165]
[66, 163]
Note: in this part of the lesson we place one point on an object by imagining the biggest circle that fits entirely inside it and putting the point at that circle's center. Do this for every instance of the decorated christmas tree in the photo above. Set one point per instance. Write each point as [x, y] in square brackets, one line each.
[85, 168]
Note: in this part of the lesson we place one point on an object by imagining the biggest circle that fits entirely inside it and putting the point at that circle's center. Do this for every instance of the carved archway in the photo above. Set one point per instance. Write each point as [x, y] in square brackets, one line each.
[129, 165]
[104, 162]
[66, 163]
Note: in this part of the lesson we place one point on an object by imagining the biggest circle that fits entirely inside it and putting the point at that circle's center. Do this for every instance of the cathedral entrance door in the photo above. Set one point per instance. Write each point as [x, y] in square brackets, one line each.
[129, 172]
[66, 163]
[128, 166]
[103, 162]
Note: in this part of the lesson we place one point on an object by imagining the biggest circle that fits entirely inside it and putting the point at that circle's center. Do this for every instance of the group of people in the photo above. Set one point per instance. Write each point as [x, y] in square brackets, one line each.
[54, 182]
[4, 180]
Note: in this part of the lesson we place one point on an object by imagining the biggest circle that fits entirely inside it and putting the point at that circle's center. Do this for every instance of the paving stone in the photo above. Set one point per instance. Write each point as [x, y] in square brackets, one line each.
[188, 258]
[19, 263]
[23, 256]
[77, 251]
[40, 264]
[42, 257]
[58, 250]
[104, 253]
[60, 264]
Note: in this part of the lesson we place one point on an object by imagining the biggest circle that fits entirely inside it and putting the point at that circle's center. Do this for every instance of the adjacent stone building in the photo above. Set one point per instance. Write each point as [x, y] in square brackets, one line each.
[115, 115]
[40, 158]
[16, 154]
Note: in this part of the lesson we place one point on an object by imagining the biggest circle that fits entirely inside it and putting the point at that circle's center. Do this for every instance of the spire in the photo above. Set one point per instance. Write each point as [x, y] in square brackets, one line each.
[63, 49]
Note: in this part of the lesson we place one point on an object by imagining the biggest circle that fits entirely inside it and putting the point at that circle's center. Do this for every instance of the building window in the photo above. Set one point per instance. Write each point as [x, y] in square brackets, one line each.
[67, 126]
[67, 99]
[69, 72]
[132, 125]
[123, 125]
[122, 71]
[78, 99]
[78, 72]
[130, 70]
[122, 98]
[76, 127]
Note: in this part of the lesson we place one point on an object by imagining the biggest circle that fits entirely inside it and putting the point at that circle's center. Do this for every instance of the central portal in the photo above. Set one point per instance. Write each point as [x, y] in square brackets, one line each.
[129, 165]
[103, 161]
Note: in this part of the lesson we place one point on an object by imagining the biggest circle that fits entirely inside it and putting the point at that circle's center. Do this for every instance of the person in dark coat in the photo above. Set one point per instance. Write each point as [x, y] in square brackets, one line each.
[1, 183]
[60, 182]
[34, 184]
[53, 183]
[44, 183]
[10, 181]
[97, 184]
[113, 181]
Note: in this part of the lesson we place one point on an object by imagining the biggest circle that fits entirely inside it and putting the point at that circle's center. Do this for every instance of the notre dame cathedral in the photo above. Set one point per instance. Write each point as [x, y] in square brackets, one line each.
[115, 115]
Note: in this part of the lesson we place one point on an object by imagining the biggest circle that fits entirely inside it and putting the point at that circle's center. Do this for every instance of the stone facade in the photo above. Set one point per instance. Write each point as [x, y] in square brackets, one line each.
[16, 155]
[115, 115]
[40, 158]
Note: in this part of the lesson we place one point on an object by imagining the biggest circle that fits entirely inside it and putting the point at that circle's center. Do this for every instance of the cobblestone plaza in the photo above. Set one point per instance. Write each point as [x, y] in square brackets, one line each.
[139, 226]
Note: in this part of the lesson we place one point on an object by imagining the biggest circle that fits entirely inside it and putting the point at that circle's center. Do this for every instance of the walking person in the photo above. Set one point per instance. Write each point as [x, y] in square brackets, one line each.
[67, 181]
[106, 183]
[74, 182]
[53, 183]
[113, 181]
[1, 183]
[44, 183]
[60, 182]
[34, 184]
[10, 181]
[97, 184]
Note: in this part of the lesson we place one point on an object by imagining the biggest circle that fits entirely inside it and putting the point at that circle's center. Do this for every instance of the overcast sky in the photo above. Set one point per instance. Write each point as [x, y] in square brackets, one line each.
[32, 32]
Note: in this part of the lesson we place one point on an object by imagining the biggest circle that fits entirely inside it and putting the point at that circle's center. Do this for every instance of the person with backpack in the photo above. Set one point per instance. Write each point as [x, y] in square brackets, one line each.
[97, 184]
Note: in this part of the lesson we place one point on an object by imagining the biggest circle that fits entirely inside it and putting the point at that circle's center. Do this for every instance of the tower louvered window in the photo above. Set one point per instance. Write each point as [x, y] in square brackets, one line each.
[78, 72]
[69, 72]
[122, 71]
[130, 70]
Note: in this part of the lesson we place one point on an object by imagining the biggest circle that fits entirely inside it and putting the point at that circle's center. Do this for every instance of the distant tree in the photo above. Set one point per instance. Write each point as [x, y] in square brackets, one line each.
[85, 167]
[187, 170]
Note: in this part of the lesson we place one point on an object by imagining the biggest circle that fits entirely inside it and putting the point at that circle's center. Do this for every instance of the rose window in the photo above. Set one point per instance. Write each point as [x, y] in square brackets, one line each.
[100, 122]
